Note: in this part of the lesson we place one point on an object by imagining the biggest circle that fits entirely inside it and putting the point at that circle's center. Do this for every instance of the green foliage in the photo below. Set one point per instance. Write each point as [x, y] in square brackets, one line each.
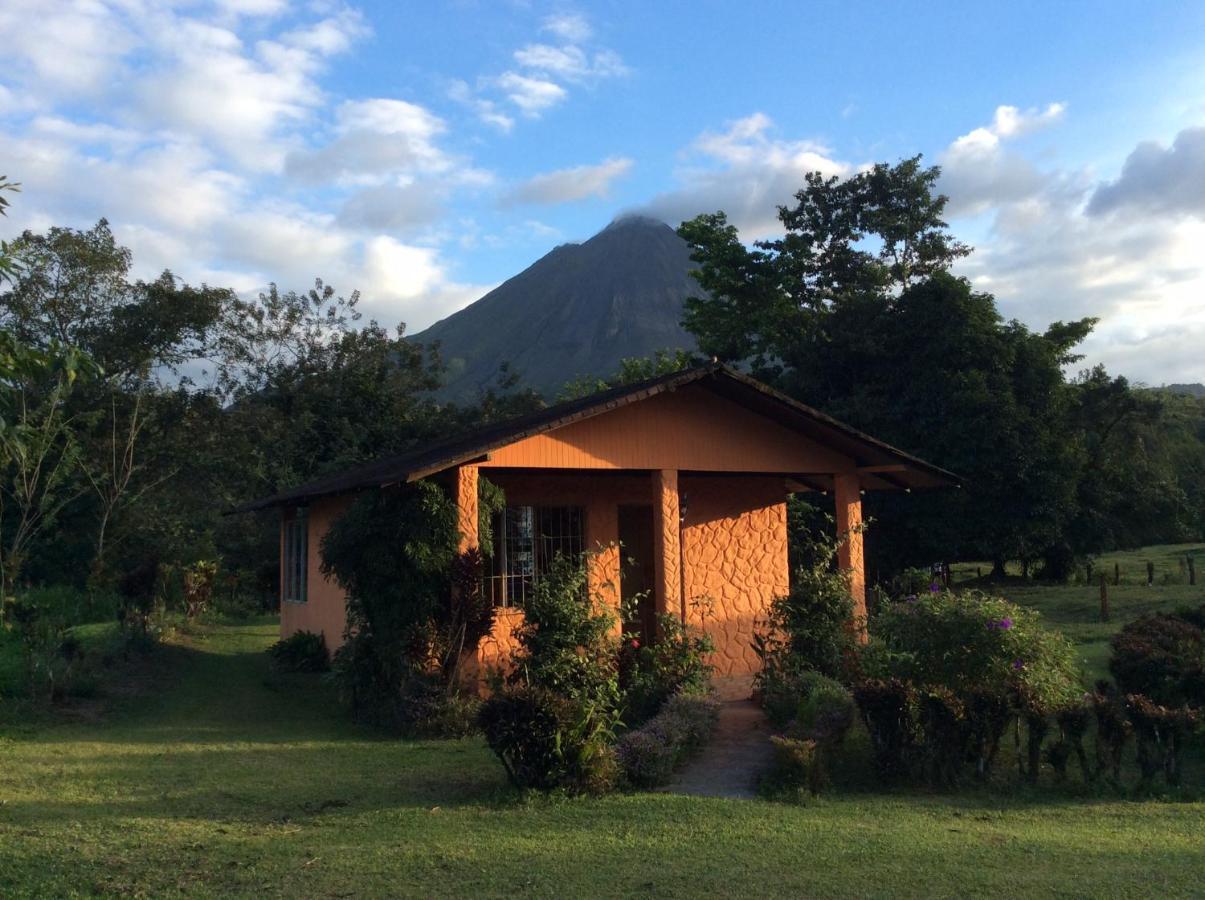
[567, 639]
[826, 710]
[393, 552]
[553, 723]
[803, 754]
[649, 755]
[631, 370]
[970, 642]
[302, 651]
[810, 630]
[652, 673]
[1161, 657]
[798, 764]
[854, 311]
[945, 673]
[547, 741]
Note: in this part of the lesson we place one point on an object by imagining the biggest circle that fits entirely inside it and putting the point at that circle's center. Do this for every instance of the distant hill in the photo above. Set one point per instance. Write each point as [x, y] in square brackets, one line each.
[1193, 390]
[579, 310]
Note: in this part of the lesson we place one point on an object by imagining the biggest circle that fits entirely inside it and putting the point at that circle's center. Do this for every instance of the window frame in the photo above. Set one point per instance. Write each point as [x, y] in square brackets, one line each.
[551, 530]
[294, 578]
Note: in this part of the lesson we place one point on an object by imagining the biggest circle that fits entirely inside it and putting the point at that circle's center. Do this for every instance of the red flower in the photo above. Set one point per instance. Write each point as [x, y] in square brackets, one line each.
[635, 644]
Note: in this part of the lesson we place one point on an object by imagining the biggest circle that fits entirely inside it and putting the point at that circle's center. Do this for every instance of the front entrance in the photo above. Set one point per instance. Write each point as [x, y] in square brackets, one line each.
[637, 574]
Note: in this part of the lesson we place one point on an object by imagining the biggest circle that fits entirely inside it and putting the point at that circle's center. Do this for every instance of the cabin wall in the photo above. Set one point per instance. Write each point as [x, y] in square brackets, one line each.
[691, 429]
[325, 609]
[599, 496]
[734, 550]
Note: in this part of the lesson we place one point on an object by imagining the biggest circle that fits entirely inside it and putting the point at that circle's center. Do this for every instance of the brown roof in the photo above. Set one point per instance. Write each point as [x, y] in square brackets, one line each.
[882, 466]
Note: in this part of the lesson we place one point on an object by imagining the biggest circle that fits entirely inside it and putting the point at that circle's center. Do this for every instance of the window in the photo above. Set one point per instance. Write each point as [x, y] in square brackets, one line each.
[296, 557]
[526, 541]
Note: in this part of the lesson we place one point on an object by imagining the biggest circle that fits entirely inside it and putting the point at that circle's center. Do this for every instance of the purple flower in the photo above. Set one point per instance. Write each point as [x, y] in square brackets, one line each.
[1018, 664]
[1005, 624]
[935, 588]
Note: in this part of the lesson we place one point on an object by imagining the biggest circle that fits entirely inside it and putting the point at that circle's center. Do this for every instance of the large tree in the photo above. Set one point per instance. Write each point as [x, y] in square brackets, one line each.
[854, 310]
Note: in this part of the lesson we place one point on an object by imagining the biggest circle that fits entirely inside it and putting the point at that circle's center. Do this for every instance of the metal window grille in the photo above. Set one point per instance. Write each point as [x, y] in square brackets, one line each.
[526, 541]
[296, 552]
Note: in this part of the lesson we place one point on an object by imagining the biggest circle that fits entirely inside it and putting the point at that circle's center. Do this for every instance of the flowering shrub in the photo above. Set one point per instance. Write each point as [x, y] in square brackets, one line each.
[950, 671]
[649, 755]
[971, 643]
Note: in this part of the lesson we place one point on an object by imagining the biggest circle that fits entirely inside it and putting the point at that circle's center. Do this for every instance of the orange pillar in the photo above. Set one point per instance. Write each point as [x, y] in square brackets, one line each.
[850, 556]
[667, 541]
[602, 542]
[466, 507]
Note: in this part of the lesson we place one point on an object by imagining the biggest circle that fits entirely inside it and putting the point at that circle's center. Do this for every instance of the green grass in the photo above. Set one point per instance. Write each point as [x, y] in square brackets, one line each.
[219, 778]
[1075, 608]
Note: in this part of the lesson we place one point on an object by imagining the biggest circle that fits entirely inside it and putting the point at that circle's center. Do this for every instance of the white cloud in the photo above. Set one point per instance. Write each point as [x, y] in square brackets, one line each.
[532, 95]
[980, 171]
[192, 109]
[1157, 179]
[62, 49]
[745, 171]
[376, 138]
[570, 62]
[1045, 258]
[542, 72]
[573, 27]
[564, 185]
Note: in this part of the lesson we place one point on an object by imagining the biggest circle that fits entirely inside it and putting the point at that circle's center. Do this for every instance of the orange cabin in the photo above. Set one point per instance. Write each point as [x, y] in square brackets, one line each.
[678, 484]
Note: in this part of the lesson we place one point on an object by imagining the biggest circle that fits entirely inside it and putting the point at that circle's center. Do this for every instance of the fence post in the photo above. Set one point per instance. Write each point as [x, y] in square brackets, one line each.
[1150, 574]
[1116, 573]
[1104, 598]
[1088, 572]
[1192, 571]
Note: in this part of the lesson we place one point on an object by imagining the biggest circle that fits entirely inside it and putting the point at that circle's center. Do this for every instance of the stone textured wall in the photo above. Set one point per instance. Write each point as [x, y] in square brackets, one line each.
[735, 552]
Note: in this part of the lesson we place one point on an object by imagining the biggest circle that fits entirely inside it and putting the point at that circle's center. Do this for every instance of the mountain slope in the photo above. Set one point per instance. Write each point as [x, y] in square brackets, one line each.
[578, 310]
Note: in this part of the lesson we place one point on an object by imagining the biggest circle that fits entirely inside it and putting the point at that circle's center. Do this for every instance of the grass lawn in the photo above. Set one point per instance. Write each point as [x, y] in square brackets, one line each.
[220, 778]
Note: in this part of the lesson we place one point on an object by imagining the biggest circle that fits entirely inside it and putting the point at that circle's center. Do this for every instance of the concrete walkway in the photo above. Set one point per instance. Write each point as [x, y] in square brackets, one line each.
[738, 752]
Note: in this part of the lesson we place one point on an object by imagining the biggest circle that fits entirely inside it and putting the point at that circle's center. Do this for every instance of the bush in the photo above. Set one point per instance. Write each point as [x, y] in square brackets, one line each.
[811, 627]
[302, 651]
[1162, 734]
[649, 674]
[546, 741]
[798, 763]
[1160, 657]
[954, 669]
[553, 722]
[649, 755]
[826, 711]
[971, 643]
[807, 632]
[887, 707]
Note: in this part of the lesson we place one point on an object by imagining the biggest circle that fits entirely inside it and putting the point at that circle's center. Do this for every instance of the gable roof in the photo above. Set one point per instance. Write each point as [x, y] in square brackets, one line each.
[881, 466]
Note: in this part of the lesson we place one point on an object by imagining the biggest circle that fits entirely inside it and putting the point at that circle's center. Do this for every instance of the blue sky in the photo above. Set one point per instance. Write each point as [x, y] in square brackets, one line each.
[424, 153]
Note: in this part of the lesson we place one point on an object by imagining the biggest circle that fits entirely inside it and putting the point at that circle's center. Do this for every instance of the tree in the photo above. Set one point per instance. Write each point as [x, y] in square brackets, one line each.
[853, 310]
[39, 448]
[74, 287]
[8, 263]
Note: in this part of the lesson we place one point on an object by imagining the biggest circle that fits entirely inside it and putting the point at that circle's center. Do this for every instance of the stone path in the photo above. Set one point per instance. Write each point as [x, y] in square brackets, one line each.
[739, 751]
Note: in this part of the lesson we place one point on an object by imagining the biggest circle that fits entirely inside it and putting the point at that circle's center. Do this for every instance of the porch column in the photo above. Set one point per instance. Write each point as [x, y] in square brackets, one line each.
[849, 557]
[466, 508]
[667, 541]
